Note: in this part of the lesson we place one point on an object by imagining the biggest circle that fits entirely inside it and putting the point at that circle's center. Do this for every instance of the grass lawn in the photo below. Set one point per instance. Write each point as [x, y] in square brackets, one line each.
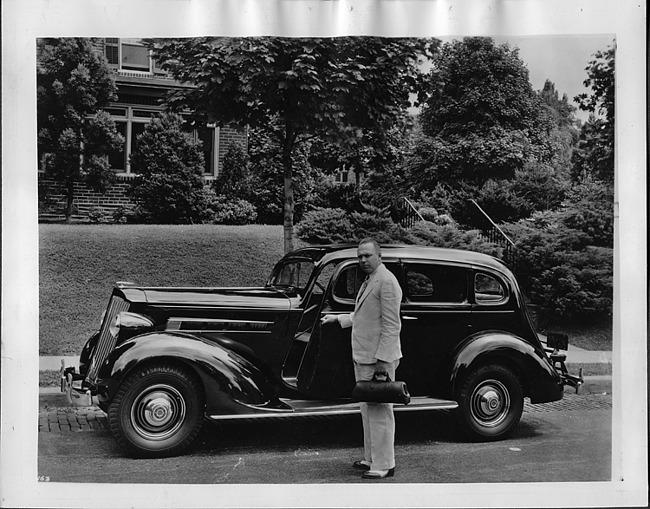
[80, 263]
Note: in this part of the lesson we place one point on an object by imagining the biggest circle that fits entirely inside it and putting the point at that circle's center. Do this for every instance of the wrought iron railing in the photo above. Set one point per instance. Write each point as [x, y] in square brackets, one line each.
[491, 232]
[409, 214]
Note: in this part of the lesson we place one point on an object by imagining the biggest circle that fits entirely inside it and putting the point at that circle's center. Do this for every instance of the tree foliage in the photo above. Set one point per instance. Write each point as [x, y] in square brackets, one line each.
[74, 135]
[595, 153]
[336, 88]
[482, 120]
[265, 183]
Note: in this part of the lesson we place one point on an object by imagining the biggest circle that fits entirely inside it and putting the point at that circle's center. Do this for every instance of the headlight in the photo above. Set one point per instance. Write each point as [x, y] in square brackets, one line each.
[128, 320]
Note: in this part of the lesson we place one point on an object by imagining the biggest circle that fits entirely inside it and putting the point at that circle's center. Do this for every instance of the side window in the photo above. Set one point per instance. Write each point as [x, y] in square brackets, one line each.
[294, 274]
[349, 282]
[488, 289]
[324, 277]
[435, 283]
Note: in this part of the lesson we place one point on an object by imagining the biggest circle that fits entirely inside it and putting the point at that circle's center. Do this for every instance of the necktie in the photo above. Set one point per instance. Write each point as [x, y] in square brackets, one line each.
[362, 289]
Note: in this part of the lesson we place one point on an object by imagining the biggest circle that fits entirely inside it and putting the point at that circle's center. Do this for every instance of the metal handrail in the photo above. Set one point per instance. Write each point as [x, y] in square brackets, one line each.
[410, 204]
[493, 223]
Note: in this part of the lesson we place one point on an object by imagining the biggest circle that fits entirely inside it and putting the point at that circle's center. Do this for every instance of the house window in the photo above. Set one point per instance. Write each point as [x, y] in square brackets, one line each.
[342, 177]
[131, 123]
[135, 56]
[128, 55]
[208, 136]
[112, 51]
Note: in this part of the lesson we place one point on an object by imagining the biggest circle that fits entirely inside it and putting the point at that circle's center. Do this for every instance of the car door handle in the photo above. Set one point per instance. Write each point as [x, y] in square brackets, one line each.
[407, 317]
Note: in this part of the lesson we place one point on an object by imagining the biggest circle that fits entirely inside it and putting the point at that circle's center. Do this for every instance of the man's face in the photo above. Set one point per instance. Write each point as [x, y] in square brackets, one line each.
[369, 259]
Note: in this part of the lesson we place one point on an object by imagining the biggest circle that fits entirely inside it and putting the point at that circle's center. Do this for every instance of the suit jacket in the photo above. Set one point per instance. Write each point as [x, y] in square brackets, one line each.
[375, 321]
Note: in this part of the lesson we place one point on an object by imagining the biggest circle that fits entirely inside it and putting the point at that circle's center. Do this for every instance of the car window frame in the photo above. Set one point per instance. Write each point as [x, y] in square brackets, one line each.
[500, 279]
[434, 303]
[281, 264]
[351, 262]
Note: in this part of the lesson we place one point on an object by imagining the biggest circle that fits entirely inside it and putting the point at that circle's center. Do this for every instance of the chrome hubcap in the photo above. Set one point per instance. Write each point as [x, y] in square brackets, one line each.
[490, 403]
[158, 412]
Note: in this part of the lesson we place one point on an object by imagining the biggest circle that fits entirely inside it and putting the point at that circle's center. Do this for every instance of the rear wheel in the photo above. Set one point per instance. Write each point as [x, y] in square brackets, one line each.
[490, 402]
[157, 411]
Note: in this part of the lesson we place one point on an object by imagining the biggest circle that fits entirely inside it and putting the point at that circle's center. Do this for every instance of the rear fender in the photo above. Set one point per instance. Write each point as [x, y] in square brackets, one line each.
[232, 384]
[540, 380]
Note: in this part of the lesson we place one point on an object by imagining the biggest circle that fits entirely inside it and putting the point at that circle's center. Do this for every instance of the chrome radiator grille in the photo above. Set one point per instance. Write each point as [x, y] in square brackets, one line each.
[107, 341]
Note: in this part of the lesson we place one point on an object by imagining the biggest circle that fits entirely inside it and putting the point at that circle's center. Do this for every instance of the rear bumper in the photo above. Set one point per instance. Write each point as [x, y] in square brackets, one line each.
[558, 341]
[576, 381]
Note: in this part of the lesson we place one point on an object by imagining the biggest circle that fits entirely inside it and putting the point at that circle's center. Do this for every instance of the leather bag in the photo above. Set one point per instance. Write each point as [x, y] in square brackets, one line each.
[381, 391]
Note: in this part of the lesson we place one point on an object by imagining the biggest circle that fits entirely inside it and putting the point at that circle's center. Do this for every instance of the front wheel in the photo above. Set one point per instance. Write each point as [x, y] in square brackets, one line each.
[157, 411]
[490, 402]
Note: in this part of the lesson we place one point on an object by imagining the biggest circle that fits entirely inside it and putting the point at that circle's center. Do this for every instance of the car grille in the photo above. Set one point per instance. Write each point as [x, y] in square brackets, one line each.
[106, 342]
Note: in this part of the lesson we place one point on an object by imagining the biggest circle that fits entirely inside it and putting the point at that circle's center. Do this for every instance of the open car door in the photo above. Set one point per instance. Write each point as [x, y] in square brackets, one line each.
[326, 369]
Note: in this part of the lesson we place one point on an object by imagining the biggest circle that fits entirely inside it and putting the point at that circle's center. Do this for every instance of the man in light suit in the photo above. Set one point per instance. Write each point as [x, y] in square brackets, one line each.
[376, 349]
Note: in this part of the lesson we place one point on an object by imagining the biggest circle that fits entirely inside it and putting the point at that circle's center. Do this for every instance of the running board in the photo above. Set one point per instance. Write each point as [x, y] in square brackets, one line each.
[305, 407]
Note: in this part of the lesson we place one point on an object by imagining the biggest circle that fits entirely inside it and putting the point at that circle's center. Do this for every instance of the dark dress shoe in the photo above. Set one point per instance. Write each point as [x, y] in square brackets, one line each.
[361, 465]
[378, 474]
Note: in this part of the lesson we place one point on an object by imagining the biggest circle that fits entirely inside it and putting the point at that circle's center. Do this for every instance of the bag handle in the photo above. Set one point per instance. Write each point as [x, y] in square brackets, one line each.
[384, 373]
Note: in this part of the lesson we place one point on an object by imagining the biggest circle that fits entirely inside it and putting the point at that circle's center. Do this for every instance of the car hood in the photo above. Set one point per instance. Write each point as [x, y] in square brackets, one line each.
[252, 298]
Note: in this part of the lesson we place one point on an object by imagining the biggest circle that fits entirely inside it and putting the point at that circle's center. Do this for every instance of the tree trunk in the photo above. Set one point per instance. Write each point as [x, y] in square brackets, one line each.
[70, 182]
[288, 202]
[287, 165]
[69, 200]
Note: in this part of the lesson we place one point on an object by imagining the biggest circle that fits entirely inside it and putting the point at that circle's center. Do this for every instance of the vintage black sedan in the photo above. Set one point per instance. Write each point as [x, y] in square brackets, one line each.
[165, 359]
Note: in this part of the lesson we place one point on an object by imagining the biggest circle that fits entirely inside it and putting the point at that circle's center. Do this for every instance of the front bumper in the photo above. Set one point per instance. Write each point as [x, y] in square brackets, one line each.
[76, 396]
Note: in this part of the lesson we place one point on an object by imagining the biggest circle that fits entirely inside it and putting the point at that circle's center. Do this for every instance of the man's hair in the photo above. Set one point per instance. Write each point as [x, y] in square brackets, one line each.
[370, 240]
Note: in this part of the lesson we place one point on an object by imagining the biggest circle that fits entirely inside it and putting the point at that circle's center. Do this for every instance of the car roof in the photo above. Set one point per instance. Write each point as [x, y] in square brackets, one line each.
[326, 253]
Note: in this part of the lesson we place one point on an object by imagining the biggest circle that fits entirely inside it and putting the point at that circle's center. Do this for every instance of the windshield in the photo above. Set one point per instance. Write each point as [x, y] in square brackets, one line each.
[293, 274]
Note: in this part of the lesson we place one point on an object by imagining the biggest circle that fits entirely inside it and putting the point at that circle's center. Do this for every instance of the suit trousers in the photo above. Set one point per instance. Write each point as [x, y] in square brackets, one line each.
[378, 423]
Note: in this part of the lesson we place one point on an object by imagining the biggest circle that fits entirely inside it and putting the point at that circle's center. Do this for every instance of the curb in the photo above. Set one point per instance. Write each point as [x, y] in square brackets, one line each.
[599, 384]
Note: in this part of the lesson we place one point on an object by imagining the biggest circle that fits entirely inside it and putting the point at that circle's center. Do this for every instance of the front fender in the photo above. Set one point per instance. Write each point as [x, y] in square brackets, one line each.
[232, 383]
[540, 380]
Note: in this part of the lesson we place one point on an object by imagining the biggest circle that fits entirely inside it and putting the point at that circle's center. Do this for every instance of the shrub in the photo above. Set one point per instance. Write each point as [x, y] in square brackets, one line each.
[449, 236]
[123, 214]
[428, 214]
[589, 208]
[233, 179]
[236, 212]
[382, 228]
[95, 215]
[169, 187]
[335, 225]
[324, 226]
[559, 269]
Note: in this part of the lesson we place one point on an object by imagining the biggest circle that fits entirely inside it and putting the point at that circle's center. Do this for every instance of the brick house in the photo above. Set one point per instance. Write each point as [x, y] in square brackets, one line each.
[140, 86]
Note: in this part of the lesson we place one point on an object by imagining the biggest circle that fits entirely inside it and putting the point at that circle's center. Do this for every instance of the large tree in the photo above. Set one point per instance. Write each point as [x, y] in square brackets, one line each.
[75, 137]
[595, 154]
[335, 88]
[483, 119]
